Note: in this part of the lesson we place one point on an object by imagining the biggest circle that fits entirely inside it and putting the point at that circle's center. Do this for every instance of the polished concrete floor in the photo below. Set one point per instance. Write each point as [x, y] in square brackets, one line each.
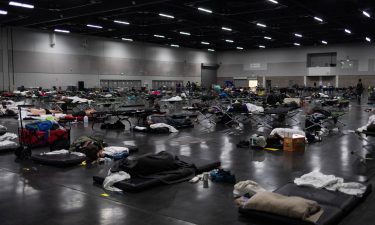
[35, 194]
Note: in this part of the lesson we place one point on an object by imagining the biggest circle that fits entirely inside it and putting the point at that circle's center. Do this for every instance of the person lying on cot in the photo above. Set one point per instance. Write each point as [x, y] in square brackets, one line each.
[89, 145]
[96, 149]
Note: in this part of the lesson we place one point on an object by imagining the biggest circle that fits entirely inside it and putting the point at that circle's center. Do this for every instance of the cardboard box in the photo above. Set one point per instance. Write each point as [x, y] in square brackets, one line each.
[294, 143]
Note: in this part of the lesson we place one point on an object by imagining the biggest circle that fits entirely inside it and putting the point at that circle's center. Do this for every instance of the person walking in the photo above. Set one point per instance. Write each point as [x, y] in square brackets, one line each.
[359, 90]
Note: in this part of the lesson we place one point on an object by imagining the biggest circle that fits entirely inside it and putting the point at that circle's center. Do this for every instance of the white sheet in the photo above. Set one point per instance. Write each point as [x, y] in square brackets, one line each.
[317, 179]
[160, 125]
[113, 178]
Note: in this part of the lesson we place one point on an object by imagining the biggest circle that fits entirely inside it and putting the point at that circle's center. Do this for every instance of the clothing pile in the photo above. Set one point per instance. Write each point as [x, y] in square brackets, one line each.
[7, 139]
[254, 108]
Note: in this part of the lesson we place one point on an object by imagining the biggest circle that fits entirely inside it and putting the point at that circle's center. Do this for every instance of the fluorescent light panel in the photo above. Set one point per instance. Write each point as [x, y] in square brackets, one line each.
[185, 33]
[176, 46]
[239, 48]
[166, 15]
[368, 39]
[297, 44]
[94, 26]
[229, 41]
[262, 46]
[366, 14]
[19, 4]
[62, 31]
[121, 22]
[318, 19]
[205, 43]
[325, 42]
[211, 50]
[226, 29]
[268, 38]
[3, 12]
[298, 35]
[126, 39]
[205, 10]
[159, 36]
[273, 1]
[348, 31]
[261, 25]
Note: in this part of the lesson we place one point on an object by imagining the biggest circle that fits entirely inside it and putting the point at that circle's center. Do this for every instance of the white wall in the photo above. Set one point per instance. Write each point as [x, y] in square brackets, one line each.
[75, 58]
[293, 61]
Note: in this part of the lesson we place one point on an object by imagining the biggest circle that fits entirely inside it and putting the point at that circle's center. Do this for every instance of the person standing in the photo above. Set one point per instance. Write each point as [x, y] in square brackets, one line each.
[359, 90]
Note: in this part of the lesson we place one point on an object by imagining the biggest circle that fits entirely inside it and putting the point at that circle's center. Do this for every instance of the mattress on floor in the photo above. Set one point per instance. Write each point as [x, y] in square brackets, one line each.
[58, 160]
[66, 160]
[138, 184]
[336, 205]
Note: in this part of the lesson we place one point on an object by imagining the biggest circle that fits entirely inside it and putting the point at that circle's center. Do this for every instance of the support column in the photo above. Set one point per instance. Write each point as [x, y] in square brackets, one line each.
[305, 81]
[337, 81]
[5, 60]
[264, 81]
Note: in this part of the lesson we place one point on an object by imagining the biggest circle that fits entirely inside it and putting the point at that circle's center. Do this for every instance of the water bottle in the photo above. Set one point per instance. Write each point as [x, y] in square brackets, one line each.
[85, 121]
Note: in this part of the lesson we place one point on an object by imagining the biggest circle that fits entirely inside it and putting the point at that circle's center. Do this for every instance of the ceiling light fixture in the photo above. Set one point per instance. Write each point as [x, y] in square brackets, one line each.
[273, 1]
[268, 38]
[298, 35]
[366, 14]
[21, 5]
[185, 33]
[368, 39]
[239, 48]
[325, 42]
[205, 10]
[229, 41]
[226, 28]
[176, 46]
[211, 50]
[166, 15]
[318, 19]
[159, 36]
[126, 39]
[297, 44]
[121, 22]
[205, 43]
[62, 31]
[348, 31]
[262, 46]
[261, 25]
[3, 12]
[94, 26]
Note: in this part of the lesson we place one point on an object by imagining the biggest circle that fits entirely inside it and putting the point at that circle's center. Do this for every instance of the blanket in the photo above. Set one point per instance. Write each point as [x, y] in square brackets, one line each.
[293, 207]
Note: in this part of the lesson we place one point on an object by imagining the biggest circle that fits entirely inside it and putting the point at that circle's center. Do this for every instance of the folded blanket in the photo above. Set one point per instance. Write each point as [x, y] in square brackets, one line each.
[293, 207]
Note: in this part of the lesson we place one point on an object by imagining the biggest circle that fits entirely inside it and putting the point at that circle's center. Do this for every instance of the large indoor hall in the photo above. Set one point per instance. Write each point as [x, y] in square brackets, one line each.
[174, 112]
